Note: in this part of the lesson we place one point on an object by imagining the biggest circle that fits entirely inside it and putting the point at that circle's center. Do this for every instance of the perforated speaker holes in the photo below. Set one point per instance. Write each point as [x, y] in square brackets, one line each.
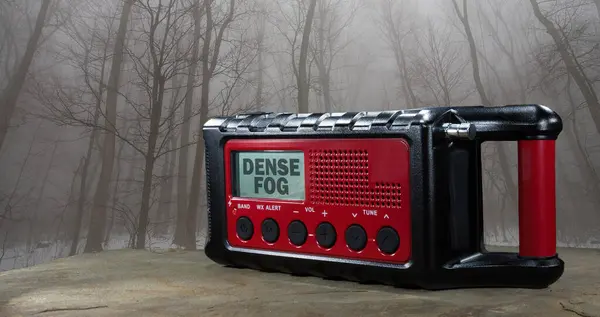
[341, 177]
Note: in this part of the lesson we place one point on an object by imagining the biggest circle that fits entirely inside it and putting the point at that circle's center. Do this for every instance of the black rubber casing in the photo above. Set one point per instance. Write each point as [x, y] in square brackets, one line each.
[446, 195]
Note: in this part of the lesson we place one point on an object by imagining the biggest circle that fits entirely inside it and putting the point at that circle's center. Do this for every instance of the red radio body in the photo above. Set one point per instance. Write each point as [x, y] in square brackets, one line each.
[351, 182]
[391, 197]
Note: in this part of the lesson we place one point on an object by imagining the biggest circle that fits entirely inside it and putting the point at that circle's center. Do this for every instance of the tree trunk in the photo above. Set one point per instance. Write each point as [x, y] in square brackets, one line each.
[34, 218]
[208, 68]
[145, 206]
[325, 85]
[182, 171]
[10, 95]
[158, 92]
[506, 51]
[261, 63]
[115, 199]
[88, 155]
[323, 69]
[82, 196]
[395, 38]
[164, 202]
[586, 166]
[115, 193]
[98, 217]
[491, 67]
[464, 18]
[171, 172]
[65, 234]
[407, 81]
[303, 84]
[130, 182]
[190, 241]
[190, 237]
[166, 188]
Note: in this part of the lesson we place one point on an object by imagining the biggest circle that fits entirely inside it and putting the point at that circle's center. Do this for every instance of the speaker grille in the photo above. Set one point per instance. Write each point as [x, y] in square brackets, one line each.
[341, 177]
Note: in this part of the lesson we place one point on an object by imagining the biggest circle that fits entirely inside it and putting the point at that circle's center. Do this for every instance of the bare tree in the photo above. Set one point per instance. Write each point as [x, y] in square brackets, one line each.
[168, 168]
[571, 63]
[117, 180]
[283, 83]
[13, 200]
[440, 65]
[567, 66]
[92, 62]
[463, 16]
[355, 81]
[182, 178]
[396, 24]
[303, 84]
[209, 63]
[260, 48]
[333, 19]
[464, 19]
[33, 219]
[155, 66]
[98, 217]
[507, 47]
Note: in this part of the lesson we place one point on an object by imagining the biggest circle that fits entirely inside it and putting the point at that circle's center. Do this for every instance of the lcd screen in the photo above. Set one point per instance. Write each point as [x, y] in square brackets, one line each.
[269, 174]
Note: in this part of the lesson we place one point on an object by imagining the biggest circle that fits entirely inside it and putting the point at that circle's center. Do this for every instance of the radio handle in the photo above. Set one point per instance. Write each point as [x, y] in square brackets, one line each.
[535, 128]
[512, 122]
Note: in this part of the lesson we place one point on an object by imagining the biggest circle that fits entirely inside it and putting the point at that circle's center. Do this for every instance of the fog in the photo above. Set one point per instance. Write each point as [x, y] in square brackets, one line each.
[101, 102]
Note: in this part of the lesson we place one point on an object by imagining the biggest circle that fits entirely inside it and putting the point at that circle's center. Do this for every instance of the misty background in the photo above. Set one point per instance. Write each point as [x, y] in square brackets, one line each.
[101, 102]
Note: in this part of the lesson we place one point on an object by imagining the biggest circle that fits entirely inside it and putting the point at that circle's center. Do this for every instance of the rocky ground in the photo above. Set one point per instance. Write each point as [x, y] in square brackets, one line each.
[142, 283]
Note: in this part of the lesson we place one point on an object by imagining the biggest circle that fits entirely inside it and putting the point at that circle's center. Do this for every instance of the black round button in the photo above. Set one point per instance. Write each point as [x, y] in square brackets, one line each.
[356, 237]
[270, 230]
[244, 228]
[297, 232]
[326, 235]
[388, 240]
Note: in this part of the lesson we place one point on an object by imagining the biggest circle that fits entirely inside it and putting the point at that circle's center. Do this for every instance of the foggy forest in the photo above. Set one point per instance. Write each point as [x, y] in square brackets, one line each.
[102, 102]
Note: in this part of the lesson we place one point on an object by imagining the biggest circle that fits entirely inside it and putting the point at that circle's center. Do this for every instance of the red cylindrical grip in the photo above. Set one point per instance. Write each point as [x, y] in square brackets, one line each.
[537, 198]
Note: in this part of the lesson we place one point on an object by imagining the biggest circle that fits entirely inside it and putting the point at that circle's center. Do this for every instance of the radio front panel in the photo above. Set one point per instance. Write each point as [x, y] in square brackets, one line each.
[391, 197]
[332, 197]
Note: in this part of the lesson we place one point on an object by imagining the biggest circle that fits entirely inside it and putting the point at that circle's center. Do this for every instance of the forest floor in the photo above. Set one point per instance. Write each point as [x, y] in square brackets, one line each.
[177, 283]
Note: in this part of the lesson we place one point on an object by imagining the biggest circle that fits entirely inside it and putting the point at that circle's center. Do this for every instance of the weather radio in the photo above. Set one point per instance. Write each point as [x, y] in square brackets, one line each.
[389, 197]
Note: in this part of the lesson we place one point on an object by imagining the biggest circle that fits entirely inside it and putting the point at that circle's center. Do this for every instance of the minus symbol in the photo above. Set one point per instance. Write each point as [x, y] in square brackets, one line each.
[296, 212]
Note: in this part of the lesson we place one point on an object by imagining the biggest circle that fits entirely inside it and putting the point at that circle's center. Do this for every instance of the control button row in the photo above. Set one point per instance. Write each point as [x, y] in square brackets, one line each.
[387, 238]
[297, 232]
[356, 237]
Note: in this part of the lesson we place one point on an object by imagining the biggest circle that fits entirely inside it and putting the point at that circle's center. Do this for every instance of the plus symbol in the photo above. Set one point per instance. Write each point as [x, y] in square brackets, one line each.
[324, 213]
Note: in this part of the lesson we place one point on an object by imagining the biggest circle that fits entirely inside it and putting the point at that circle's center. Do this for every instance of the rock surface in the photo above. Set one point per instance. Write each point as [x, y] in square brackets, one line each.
[141, 283]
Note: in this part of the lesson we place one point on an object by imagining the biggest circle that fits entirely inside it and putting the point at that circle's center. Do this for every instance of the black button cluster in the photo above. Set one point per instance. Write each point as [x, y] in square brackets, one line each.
[270, 230]
[326, 235]
[387, 238]
[356, 238]
[297, 232]
[244, 228]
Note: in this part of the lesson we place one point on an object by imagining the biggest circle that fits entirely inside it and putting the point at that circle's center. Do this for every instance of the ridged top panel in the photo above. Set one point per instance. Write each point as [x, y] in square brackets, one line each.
[500, 122]
[289, 122]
